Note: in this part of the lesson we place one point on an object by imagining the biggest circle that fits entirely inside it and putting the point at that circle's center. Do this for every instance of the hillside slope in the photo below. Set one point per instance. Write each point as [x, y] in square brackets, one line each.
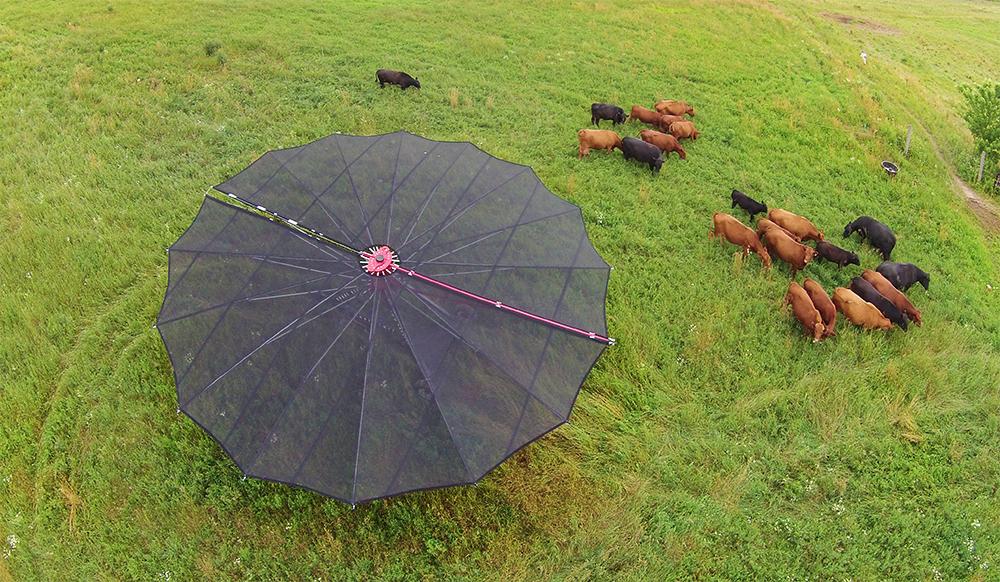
[713, 441]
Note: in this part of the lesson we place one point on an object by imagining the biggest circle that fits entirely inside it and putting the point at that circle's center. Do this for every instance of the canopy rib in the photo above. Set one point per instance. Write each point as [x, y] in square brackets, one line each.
[163, 322]
[427, 378]
[274, 337]
[430, 195]
[489, 234]
[456, 335]
[364, 391]
[295, 391]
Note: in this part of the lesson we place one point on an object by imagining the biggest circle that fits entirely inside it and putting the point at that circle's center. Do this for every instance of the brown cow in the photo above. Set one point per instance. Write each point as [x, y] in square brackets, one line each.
[683, 129]
[805, 311]
[644, 115]
[598, 139]
[895, 296]
[737, 233]
[667, 143]
[858, 311]
[665, 120]
[764, 225]
[823, 304]
[674, 107]
[795, 254]
[795, 224]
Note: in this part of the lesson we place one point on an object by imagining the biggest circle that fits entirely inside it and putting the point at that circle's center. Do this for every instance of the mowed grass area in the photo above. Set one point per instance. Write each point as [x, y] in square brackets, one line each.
[714, 441]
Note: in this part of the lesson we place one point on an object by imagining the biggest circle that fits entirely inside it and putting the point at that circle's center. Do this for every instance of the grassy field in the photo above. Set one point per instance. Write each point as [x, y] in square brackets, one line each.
[714, 441]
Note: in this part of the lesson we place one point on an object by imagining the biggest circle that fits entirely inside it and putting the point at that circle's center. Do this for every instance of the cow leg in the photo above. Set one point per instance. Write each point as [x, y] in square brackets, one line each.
[584, 150]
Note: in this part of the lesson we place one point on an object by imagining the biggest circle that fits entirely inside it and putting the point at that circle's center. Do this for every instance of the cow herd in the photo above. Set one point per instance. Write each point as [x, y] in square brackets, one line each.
[875, 300]
[667, 116]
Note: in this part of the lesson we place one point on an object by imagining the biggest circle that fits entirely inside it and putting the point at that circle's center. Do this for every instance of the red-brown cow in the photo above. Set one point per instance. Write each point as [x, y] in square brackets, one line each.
[674, 107]
[805, 311]
[667, 143]
[858, 311]
[895, 296]
[683, 129]
[737, 233]
[598, 139]
[764, 225]
[645, 115]
[795, 254]
[795, 224]
[823, 303]
[665, 120]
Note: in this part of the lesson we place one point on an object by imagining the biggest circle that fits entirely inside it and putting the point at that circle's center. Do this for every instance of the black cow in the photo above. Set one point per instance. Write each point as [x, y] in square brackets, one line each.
[747, 203]
[396, 78]
[642, 152]
[835, 254]
[599, 111]
[879, 235]
[904, 275]
[866, 291]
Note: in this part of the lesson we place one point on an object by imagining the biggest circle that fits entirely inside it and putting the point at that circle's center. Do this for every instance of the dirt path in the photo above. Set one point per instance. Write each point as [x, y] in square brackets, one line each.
[985, 210]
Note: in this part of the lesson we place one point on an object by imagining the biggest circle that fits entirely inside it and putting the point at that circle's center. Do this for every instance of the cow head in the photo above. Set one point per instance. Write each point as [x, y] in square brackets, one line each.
[416, 82]
[657, 164]
[689, 110]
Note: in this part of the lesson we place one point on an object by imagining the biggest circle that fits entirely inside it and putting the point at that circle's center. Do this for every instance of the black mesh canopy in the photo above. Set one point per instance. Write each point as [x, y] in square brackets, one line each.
[486, 314]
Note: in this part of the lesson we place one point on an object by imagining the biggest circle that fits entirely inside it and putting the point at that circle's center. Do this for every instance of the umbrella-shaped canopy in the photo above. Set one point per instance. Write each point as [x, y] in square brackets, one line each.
[369, 316]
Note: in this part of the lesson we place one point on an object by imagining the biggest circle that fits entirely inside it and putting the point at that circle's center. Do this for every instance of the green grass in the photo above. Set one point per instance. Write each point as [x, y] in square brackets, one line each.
[713, 442]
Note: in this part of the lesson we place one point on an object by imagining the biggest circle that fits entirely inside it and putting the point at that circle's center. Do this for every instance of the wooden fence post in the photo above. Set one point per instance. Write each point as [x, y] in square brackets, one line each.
[909, 133]
[982, 162]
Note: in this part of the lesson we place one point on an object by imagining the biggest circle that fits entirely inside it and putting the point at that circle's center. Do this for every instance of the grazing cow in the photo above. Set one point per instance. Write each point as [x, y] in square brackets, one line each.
[737, 233]
[598, 139]
[805, 311]
[879, 235]
[883, 286]
[665, 120]
[396, 78]
[673, 107]
[904, 275]
[683, 129]
[796, 255]
[642, 152]
[599, 111]
[835, 254]
[667, 143]
[866, 291]
[795, 224]
[858, 311]
[644, 115]
[764, 225]
[823, 304]
[747, 203]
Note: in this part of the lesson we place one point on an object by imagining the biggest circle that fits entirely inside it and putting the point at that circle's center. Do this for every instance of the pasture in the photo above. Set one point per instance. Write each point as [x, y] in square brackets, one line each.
[714, 441]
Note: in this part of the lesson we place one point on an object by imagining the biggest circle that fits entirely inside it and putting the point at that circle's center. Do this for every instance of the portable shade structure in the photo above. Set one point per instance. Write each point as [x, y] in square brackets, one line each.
[367, 316]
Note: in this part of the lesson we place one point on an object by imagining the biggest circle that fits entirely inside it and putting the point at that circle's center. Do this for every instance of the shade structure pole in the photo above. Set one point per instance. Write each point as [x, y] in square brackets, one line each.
[295, 225]
[501, 305]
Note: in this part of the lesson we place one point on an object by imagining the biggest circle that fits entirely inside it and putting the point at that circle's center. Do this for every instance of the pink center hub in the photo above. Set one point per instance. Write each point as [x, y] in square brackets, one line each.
[379, 260]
